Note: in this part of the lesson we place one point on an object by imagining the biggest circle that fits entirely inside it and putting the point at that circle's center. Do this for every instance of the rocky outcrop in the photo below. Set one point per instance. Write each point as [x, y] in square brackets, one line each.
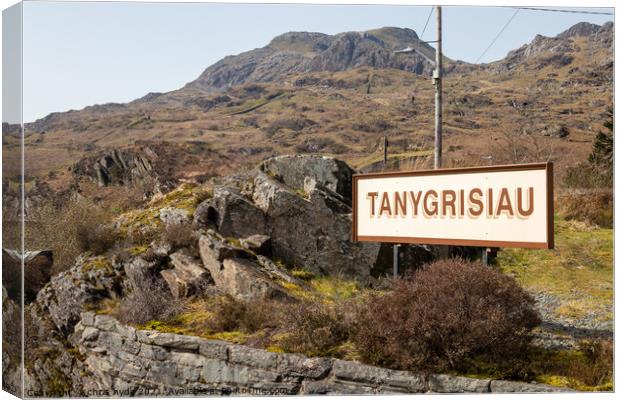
[302, 203]
[11, 344]
[236, 271]
[294, 216]
[122, 360]
[52, 365]
[234, 214]
[580, 29]
[188, 277]
[327, 172]
[91, 279]
[149, 165]
[173, 216]
[259, 244]
[118, 167]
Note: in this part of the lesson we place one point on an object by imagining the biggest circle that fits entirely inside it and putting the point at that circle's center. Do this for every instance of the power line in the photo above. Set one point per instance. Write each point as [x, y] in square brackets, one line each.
[498, 34]
[426, 24]
[563, 11]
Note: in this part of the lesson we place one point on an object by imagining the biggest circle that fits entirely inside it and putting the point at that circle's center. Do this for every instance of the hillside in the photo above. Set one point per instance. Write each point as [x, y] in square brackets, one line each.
[308, 93]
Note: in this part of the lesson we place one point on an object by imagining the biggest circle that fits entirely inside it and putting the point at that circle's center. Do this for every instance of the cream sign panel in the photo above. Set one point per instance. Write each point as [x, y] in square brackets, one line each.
[503, 206]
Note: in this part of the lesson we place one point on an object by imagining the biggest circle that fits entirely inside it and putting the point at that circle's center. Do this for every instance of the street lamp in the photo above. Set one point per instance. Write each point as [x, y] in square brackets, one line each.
[437, 74]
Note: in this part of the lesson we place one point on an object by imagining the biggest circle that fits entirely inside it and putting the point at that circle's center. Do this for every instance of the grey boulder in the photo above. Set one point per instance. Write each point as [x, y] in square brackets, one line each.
[292, 170]
[187, 277]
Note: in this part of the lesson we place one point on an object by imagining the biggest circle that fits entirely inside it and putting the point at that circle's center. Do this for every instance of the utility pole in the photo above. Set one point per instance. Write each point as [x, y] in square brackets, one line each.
[444, 251]
[385, 151]
[437, 74]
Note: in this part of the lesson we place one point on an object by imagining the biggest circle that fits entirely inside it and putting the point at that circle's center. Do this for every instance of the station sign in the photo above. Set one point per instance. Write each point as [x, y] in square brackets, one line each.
[497, 206]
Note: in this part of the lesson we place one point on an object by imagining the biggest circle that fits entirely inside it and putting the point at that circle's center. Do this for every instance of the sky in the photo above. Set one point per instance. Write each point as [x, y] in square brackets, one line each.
[79, 54]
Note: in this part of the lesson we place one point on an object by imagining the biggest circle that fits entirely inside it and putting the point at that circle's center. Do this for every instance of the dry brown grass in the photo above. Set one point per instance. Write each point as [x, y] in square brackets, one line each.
[149, 300]
[68, 230]
[593, 206]
[596, 367]
[181, 235]
[229, 314]
[316, 328]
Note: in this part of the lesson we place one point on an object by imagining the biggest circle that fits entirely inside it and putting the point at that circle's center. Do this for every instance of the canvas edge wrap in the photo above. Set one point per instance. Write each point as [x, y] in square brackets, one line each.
[546, 166]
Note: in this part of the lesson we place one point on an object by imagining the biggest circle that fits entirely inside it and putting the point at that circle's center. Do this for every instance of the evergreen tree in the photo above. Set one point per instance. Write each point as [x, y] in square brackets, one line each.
[598, 170]
[603, 146]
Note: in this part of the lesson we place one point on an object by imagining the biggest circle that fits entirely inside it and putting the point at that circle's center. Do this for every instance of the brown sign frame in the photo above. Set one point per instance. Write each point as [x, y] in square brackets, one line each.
[549, 244]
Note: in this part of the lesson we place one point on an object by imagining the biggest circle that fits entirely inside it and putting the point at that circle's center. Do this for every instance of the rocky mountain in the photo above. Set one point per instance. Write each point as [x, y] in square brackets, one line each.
[558, 49]
[587, 29]
[301, 52]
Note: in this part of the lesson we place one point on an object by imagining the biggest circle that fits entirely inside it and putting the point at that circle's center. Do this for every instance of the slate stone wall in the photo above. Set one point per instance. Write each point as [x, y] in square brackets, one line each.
[124, 361]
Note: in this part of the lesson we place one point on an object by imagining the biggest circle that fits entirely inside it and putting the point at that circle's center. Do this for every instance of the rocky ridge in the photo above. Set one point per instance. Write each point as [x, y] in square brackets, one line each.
[300, 52]
[556, 48]
[154, 166]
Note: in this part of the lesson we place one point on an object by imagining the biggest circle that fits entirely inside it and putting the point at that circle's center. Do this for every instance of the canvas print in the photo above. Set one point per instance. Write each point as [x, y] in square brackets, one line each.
[208, 199]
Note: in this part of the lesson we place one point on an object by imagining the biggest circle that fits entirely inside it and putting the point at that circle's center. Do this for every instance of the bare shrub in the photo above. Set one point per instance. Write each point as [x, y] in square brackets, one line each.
[120, 199]
[512, 148]
[596, 368]
[97, 239]
[587, 176]
[591, 199]
[150, 300]
[315, 328]
[594, 206]
[181, 235]
[69, 230]
[442, 315]
[230, 314]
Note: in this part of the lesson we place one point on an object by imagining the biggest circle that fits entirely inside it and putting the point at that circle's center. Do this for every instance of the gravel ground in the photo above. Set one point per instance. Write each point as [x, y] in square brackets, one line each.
[559, 332]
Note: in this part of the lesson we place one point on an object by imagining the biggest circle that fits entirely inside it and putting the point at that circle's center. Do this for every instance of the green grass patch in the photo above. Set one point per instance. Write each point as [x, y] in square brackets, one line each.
[138, 250]
[185, 197]
[332, 288]
[579, 271]
[302, 274]
[586, 369]
[98, 264]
